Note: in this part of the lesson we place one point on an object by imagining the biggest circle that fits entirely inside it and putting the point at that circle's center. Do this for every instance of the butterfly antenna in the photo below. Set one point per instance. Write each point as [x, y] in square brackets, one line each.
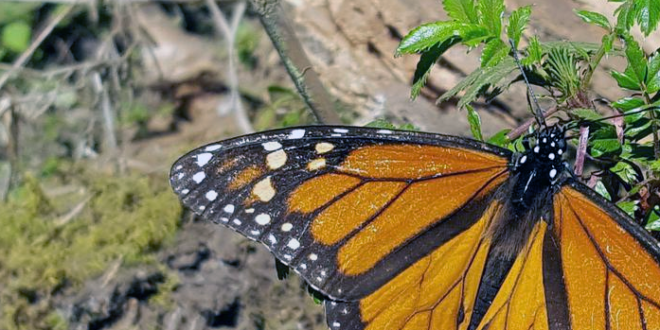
[538, 113]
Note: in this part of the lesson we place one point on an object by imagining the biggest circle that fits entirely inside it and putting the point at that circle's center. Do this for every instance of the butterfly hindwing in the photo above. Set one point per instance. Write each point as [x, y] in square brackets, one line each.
[346, 208]
[610, 266]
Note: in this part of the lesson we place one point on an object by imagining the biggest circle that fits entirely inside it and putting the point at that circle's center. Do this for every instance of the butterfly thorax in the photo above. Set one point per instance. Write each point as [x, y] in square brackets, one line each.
[539, 167]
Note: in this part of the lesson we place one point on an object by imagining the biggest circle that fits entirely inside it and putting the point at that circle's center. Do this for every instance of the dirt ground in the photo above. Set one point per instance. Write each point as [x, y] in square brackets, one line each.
[224, 281]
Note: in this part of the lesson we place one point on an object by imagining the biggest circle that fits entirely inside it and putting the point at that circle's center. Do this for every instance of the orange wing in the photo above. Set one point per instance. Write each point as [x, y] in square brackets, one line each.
[439, 291]
[346, 208]
[610, 266]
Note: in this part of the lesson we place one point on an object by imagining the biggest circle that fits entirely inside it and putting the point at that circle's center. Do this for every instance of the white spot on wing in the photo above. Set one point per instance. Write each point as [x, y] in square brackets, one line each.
[202, 207]
[179, 167]
[264, 190]
[551, 156]
[229, 208]
[340, 130]
[276, 159]
[297, 134]
[384, 131]
[537, 149]
[293, 244]
[323, 147]
[185, 191]
[316, 164]
[237, 222]
[211, 195]
[203, 159]
[287, 227]
[272, 239]
[553, 173]
[313, 256]
[181, 175]
[213, 147]
[199, 177]
[262, 219]
[271, 146]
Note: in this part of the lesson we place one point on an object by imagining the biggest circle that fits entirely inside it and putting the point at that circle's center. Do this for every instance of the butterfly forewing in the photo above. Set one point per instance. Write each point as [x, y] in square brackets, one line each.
[347, 208]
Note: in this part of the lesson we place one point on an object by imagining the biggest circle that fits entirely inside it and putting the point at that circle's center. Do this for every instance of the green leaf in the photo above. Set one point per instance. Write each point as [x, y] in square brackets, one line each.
[426, 63]
[624, 171]
[587, 114]
[605, 147]
[636, 60]
[16, 36]
[653, 219]
[534, 52]
[648, 15]
[461, 10]
[475, 123]
[624, 81]
[608, 42]
[14, 11]
[423, 37]
[490, 15]
[625, 17]
[653, 74]
[628, 103]
[629, 207]
[381, 123]
[494, 51]
[600, 189]
[594, 18]
[488, 77]
[500, 138]
[517, 23]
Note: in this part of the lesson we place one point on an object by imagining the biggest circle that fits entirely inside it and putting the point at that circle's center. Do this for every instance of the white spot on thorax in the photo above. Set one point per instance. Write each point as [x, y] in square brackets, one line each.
[203, 159]
[523, 159]
[211, 195]
[199, 177]
[271, 146]
[553, 173]
[559, 152]
[551, 156]
[537, 149]
[553, 144]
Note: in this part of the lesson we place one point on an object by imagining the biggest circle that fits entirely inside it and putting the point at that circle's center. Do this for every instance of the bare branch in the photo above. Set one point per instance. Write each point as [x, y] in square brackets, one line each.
[25, 56]
[295, 60]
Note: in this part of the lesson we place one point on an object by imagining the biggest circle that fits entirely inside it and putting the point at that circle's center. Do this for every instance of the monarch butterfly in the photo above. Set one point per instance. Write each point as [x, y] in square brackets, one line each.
[410, 230]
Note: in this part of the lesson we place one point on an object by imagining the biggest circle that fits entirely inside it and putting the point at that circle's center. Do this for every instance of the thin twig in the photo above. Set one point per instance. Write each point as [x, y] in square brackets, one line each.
[27, 54]
[581, 150]
[229, 32]
[295, 60]
[520, 130]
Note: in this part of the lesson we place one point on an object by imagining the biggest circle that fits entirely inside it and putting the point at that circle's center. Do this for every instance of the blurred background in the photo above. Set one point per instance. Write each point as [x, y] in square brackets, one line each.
[98, 98]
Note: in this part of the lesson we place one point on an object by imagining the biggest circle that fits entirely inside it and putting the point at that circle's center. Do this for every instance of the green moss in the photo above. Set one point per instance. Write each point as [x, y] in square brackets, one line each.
[125, 219]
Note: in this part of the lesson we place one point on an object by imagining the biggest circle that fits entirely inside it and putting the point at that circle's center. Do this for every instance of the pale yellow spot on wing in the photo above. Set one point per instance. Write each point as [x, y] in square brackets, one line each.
[316, 164]
[264, 190]
[276, 159]
[324, 147]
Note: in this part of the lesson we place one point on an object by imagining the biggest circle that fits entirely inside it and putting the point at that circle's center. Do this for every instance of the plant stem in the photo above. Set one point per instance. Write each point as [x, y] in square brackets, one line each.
[595, 61]
[654, 127]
